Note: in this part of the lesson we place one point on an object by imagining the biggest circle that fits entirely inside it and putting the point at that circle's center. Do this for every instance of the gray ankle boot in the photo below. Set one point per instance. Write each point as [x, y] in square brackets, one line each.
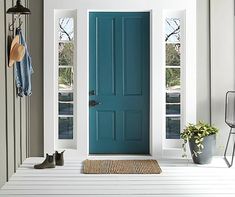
[49, 162]
[59, 158]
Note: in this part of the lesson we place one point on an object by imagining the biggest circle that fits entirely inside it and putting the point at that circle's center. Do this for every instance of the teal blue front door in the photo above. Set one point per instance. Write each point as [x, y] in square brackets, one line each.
[119, 45]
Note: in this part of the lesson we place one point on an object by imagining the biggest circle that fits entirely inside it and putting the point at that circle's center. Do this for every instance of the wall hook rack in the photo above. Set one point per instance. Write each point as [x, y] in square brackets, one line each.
[12, 25]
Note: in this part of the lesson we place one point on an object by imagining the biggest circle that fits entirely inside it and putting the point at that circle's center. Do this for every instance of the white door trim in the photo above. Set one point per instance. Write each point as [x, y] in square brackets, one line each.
[157, 85]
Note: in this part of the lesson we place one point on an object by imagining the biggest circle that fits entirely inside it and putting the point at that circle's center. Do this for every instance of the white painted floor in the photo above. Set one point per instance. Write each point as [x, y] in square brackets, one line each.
[179, 178]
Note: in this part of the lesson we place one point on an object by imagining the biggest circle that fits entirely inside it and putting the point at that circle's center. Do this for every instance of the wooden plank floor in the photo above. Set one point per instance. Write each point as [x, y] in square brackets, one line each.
[179, 178]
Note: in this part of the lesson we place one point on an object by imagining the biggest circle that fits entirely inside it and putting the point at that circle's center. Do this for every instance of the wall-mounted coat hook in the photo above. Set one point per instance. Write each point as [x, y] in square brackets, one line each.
[11, 26]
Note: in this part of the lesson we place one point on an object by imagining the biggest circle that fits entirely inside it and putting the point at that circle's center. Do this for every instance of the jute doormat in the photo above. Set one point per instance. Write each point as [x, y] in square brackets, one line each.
[121, 167]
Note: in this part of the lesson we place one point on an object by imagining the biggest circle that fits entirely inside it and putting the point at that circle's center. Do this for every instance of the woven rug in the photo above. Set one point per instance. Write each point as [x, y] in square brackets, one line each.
[121, 167]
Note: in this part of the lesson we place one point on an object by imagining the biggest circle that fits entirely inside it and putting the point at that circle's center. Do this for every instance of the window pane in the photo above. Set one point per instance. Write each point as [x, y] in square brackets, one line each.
[173, 54]
[172, 30]
[65, 108]
[65, 78]
[173, 128]
[66, 128]
[172, 109]
[66, 28]
[173, 97]
[173, 79]
[66, 54]
[65, 96]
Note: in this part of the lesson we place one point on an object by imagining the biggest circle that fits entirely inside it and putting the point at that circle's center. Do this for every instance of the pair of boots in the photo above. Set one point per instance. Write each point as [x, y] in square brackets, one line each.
[57, 159]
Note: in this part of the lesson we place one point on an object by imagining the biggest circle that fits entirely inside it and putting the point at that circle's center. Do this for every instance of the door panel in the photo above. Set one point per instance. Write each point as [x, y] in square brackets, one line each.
[105, 122]
[132, 55]
[133, 122]
[119, 76]
[105, 56]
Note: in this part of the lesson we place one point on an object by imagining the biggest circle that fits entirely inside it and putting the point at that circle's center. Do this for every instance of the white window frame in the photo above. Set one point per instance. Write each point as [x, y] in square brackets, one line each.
[176, 143]
[66, 143]
[172, 147]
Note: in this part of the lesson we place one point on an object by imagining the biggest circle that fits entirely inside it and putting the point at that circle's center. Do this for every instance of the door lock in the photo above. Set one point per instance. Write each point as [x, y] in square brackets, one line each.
[93, 103]
[92, 93]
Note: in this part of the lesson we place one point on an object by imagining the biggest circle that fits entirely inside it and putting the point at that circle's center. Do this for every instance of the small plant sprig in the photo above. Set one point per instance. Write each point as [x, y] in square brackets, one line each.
[196, 132]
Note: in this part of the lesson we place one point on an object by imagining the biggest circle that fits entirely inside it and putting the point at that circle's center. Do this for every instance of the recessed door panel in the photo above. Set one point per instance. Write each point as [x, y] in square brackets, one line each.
[105, 48]
[105, 129]
[132, 125]
[132, 55]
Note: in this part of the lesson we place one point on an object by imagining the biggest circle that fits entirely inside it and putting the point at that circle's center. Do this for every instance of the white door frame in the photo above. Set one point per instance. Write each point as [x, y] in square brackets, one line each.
[157, 70]
[151, 142]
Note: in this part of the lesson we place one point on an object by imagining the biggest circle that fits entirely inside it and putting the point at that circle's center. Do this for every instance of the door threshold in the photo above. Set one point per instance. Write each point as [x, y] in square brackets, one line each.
[119, 156]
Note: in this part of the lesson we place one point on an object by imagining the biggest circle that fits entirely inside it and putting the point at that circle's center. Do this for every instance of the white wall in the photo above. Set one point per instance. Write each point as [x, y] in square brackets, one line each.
[222, 27]
[203, 85]
[222, 63]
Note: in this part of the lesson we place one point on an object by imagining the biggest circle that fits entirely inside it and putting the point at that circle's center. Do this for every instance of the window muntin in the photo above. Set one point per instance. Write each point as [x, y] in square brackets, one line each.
[65, 108]
[66, 56]
[65, 127]
[173, 54]
[66, 79]
[172, 30]
[66, 28]
[172, 125]
[65, 96]
[173, 77]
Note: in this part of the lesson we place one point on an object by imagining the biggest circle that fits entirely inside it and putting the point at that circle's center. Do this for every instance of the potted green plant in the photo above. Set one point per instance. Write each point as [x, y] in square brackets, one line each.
[201, 138]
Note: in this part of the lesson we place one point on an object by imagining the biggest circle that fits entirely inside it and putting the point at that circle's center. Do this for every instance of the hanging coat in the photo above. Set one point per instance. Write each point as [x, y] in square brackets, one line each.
[23, 70]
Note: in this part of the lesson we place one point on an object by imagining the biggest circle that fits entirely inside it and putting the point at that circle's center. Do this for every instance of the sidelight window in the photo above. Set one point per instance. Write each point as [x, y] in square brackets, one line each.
[66, 66]
[66, 78]
[173, 77]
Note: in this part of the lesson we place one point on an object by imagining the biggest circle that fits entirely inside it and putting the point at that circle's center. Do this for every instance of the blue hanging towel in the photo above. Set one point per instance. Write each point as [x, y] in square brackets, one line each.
[23, 70]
